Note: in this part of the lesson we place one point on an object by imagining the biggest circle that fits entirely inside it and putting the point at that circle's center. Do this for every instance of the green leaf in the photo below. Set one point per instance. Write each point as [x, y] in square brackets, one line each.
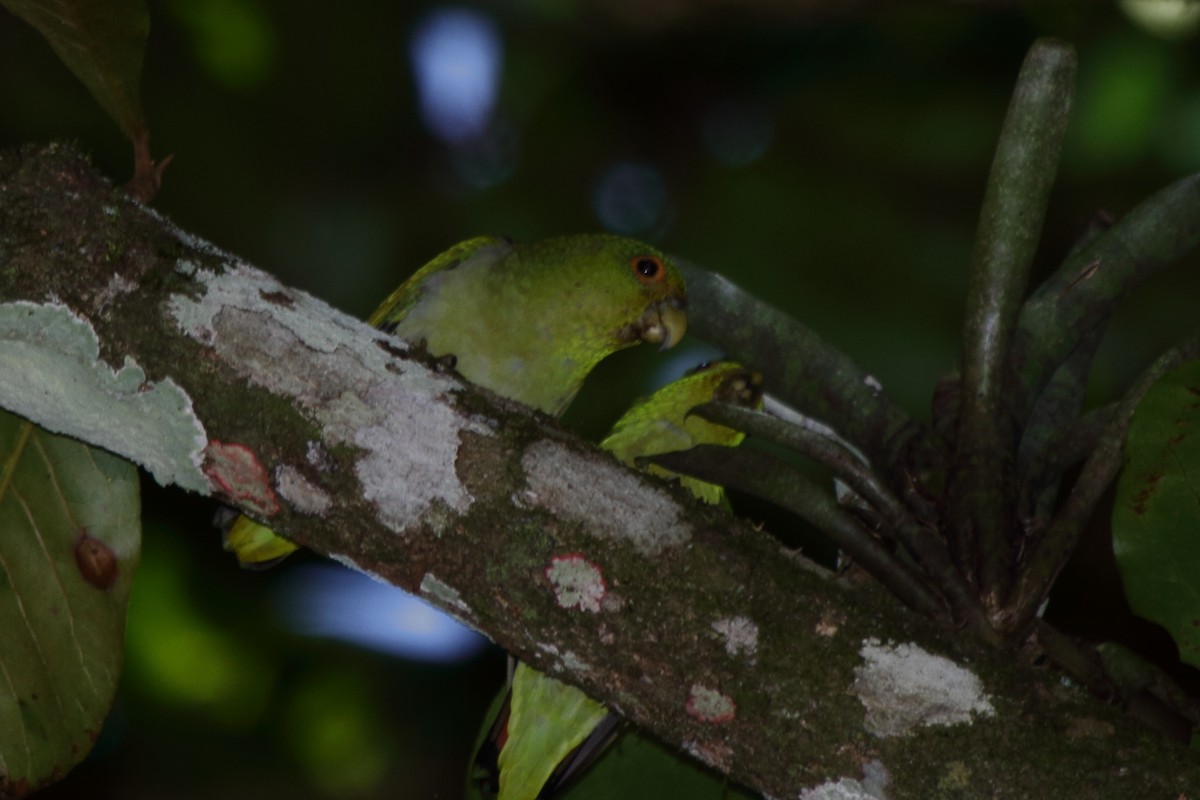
[70, 535]
[1156, 519]
[103, 43]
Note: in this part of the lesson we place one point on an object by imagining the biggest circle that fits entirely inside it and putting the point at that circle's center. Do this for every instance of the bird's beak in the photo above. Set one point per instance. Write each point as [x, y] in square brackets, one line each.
[665, 322]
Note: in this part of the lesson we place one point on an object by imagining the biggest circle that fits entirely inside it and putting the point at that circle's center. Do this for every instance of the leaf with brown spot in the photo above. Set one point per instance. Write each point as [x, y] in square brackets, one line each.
[70, 535]
[1156, 516]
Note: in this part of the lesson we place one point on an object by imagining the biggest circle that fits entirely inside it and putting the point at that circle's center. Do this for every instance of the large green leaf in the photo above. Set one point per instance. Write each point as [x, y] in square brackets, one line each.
[70, 534]
[103, 42]
[1156, 519]
[636, 766]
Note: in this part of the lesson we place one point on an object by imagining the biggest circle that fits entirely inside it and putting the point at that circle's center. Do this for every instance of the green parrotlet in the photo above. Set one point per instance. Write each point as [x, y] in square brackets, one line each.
[546, 732]
[528, 321]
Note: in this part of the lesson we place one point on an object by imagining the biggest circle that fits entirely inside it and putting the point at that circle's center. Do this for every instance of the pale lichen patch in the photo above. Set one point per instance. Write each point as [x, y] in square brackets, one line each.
[117, 286]
[565, 661]
[573, 663]
[297, 347]
[715, 753]
[303, 495]
[350, 563]
[443, 593]
[411, 450]
[710, 705]
[577, 583]
[872, 786]
[844, 789]
[50, 358]
[904, 686]
[827, 626]
[318, 456]
[242, 287]
[740, 635]
[615, 502]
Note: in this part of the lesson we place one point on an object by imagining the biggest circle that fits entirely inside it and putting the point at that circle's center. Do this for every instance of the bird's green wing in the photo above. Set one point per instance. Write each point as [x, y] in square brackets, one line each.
[547, 717]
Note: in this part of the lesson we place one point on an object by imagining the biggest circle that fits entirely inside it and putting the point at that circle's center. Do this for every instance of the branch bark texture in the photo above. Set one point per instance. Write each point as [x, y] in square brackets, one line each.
[120, 329]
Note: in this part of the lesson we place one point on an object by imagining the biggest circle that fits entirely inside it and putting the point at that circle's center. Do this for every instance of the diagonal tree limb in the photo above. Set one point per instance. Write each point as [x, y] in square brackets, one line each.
[134, 335]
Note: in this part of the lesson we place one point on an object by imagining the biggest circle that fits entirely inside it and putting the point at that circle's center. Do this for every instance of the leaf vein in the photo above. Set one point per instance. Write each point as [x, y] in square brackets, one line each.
[70, 615]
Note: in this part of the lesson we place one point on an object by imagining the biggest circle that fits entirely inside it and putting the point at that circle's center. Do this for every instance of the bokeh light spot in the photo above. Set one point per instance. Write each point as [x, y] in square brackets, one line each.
[737, 132]
[456, 57]
[336, 603]
[233, 39]
[630, 198]
[1123, 93]
[180, 657]
[1174, 20]
[335, 733]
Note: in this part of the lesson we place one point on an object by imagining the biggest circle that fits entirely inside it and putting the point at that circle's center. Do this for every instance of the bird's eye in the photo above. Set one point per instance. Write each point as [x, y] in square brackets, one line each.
[648, 269]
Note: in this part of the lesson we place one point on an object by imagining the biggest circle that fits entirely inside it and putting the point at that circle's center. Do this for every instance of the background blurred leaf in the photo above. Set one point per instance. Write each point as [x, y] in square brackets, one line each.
[637, 766]
[103, 43]
[1156, 519]
[70, 535]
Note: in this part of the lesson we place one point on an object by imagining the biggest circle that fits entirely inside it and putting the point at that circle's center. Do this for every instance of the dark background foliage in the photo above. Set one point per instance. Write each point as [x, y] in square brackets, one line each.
[833, 164]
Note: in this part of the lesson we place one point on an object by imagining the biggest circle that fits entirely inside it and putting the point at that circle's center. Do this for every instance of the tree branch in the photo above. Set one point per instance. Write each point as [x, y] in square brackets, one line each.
[120, 329]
